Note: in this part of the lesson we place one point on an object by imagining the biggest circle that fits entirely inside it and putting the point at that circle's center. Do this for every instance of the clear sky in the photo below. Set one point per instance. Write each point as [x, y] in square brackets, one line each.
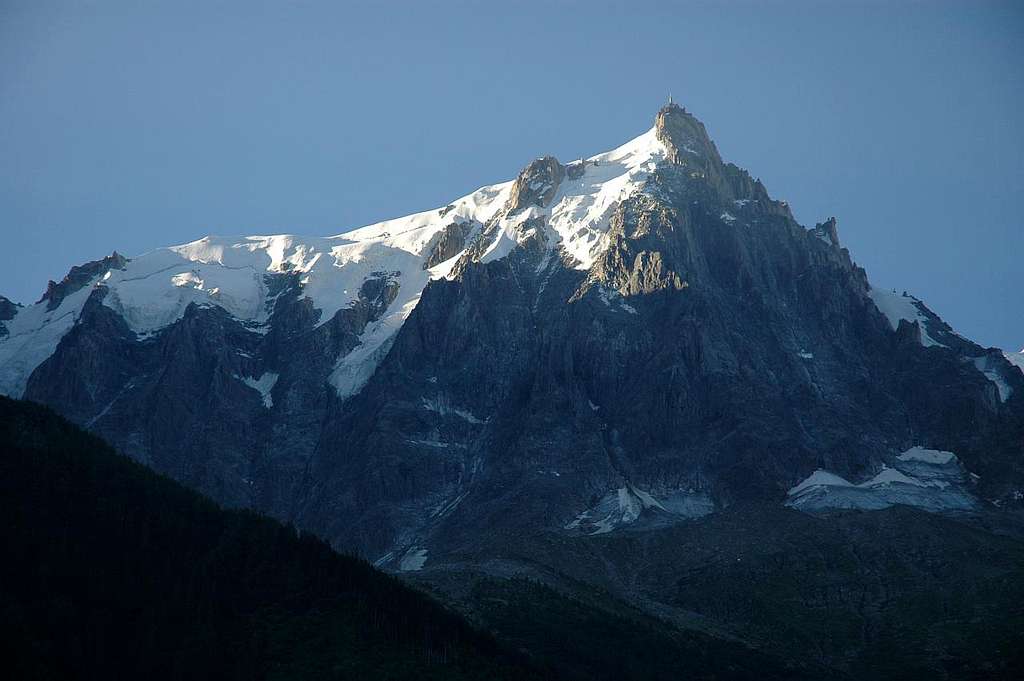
[133, 125]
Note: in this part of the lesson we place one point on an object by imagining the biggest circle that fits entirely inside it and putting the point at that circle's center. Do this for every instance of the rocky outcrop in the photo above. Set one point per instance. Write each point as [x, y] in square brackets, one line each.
[537, 184]
[827, 232]
[576, 169]
[7, 311]
[449, 244]
[79, 276]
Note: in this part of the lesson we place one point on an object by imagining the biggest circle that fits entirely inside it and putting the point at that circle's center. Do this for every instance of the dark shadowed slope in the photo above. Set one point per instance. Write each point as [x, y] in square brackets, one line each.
[113, 572]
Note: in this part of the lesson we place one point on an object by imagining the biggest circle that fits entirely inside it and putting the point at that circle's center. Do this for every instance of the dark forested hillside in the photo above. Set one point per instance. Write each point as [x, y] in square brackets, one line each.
[111, 571]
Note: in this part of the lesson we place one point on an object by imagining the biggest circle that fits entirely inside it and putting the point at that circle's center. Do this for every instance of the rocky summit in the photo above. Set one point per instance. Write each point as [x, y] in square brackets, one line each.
[633, 373]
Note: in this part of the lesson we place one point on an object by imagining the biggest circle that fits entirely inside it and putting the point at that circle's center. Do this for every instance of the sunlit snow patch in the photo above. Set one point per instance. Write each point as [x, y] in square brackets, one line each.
[579, 215]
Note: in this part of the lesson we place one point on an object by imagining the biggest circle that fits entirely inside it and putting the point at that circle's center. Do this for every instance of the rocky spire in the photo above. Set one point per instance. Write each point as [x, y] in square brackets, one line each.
[827, 231]
[685, 137]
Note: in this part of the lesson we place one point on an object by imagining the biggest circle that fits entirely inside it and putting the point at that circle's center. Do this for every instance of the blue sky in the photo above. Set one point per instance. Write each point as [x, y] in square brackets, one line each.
[133, 125]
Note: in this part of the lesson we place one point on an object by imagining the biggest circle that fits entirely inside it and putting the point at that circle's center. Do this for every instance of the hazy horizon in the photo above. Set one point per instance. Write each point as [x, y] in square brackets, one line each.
[134, 127]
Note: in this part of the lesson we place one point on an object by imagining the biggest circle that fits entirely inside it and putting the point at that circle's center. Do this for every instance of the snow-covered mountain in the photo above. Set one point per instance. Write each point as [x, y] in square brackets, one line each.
[355, 291]
[572, 212]
[528, 379]
[152, 291]
[305, 322]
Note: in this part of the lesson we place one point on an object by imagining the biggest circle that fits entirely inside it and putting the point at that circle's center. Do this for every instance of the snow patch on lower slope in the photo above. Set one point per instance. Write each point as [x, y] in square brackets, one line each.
[263, 385]
[929, 479]
[413, 560]
[442, 406]
[932, 456]
[611, 297]
[820, 478]
[626, 505]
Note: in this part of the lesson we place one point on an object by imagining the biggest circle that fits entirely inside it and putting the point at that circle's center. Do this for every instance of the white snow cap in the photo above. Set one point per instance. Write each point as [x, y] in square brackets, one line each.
[154, 289]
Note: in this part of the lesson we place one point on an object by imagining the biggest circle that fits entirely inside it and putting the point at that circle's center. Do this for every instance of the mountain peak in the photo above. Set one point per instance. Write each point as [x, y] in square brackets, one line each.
[684, 136]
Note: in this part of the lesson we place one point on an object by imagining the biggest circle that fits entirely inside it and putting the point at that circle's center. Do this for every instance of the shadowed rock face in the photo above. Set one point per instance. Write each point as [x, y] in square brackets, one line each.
[7, 311]
[182, 401]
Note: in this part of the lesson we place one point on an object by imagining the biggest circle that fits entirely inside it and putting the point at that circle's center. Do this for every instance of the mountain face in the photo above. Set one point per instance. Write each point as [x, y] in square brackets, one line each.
[620, 346]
